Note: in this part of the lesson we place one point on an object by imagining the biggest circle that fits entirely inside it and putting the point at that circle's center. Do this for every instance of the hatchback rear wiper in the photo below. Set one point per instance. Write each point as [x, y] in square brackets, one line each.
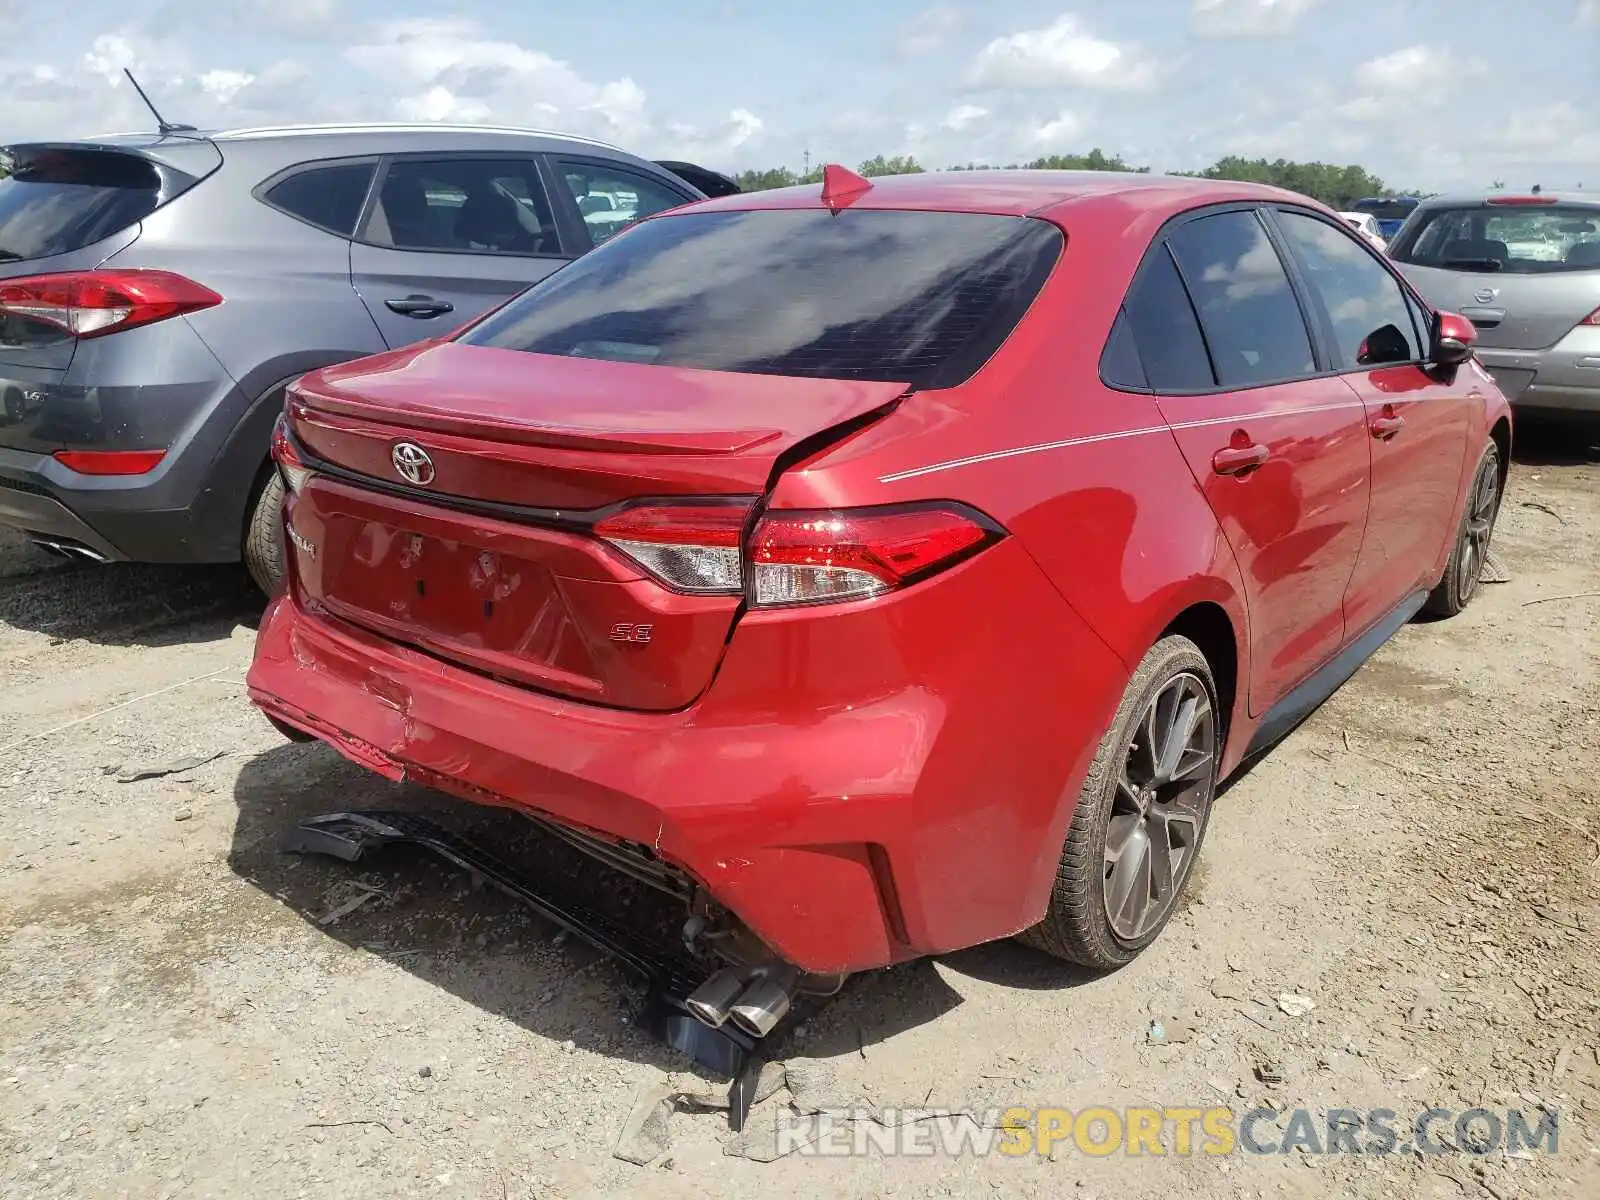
[9, 255]
[1473, 264]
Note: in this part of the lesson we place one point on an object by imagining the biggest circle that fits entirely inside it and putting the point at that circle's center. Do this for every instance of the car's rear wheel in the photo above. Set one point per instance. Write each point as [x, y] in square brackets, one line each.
[263, 538]
[1465, 570]
[1142, 814]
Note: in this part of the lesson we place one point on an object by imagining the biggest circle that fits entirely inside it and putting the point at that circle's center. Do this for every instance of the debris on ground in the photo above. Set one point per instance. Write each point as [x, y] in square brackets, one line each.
[160, 771]
[646, 1135]
[1293, 1005]
[1494, 569]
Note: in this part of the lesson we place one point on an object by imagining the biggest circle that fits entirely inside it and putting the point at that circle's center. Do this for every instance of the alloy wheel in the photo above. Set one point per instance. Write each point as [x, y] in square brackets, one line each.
[1482, 507]
[1163, 796]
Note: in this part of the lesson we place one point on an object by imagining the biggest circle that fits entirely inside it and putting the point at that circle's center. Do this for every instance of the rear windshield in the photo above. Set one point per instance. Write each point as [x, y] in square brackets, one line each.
[1517, 239]
[1385, 210]
[923, 298]
[58, 201]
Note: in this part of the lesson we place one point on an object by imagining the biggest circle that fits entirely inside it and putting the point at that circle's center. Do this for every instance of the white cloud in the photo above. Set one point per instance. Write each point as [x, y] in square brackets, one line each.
[1589, 12]
[931, 30]
[1558, 132]
[1406, 79]
[962, 116]
[1418, 71]
[225, 85]
[1059, 131]
[720, 143]
[1063, 54]
[440, 104]
[450, 69]
[1248, 18]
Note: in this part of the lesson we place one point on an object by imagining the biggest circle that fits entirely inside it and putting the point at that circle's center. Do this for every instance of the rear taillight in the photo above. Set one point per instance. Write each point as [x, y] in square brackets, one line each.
[290, 465]
[843, 554]
[796, 557]
[1592, 319]
[693, 548]
[88, 304]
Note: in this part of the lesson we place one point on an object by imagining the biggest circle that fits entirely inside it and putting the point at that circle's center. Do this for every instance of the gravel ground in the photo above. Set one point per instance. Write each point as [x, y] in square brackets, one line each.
[187, 1012]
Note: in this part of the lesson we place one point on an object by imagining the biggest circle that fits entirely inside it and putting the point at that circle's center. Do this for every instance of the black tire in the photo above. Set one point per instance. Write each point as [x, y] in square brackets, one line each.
[1464, 572]
[263, 537]
[1077, 925]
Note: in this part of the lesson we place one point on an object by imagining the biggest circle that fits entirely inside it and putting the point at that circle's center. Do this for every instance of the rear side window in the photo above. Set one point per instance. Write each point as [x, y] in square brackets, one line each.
[922, 298]
[58, 201]
[1518, 239]
[1251, 318]
[1165, 329]
[330, 197]
[610, 199]
[486, 206]
[1367, 307]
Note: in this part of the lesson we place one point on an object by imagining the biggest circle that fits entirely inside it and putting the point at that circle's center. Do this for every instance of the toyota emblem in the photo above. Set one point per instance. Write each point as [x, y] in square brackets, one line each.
[1485, 295]
[413, 463]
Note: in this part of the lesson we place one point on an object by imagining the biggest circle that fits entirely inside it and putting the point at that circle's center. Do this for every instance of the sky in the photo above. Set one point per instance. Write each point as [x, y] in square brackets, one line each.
[1430, 94]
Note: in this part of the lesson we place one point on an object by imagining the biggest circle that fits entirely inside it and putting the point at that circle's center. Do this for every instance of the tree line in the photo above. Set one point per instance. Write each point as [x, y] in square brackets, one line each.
[1336, 186]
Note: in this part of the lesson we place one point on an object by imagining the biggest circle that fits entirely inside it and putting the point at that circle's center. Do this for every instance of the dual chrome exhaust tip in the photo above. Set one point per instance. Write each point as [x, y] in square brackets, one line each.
[66, 549]
[753, 1000]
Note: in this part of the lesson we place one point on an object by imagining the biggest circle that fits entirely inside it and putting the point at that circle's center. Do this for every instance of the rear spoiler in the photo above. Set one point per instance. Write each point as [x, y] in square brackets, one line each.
[709, 183]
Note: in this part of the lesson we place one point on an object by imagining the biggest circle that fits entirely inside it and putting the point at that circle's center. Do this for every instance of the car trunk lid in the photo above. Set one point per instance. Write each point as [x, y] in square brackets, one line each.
[484, 556]
[1511, 310]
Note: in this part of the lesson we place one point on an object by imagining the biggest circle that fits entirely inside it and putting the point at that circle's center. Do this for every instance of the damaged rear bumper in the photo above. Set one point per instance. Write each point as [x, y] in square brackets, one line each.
[853, 798]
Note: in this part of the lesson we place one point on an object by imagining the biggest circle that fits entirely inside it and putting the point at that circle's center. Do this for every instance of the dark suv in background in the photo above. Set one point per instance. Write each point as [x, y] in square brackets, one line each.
[157, 294]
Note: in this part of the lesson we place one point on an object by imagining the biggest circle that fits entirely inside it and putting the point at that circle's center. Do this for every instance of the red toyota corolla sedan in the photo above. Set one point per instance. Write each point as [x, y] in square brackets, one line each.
[900, 566]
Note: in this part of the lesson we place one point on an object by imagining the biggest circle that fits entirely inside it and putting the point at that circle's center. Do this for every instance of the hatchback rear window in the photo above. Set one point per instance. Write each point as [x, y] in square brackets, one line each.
[58, 201]
[923, 298]
[1520, 239]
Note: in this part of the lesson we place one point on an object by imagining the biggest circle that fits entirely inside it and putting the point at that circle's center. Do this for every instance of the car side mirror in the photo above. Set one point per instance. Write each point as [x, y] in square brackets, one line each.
[1453, 339]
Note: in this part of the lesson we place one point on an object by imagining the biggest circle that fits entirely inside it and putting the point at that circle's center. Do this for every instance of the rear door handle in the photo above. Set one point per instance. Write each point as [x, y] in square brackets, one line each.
[423, 308]
[1385, 427]
[1237, 459]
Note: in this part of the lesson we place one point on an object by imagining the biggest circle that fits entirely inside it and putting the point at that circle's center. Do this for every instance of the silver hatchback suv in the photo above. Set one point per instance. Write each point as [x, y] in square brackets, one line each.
[158, 293]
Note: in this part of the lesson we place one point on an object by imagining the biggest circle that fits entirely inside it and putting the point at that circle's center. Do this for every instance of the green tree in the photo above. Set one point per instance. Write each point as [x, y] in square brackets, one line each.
[761, 181]
[1336, 186]
[1096, 160]
[897, 165]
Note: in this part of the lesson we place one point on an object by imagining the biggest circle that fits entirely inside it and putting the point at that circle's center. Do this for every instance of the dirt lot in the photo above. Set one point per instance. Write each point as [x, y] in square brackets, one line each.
[185, 1011]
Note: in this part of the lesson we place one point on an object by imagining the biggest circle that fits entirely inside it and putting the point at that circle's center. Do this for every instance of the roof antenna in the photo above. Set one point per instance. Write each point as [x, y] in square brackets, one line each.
[842, 187]
[163, 126]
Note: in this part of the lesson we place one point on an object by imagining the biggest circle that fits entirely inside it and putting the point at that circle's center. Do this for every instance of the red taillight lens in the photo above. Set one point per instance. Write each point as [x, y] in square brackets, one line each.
[90, 304]
[796, 557]
[290, 465]
[1592, 319]
[693, 548]
[110, 462]
[844, 554]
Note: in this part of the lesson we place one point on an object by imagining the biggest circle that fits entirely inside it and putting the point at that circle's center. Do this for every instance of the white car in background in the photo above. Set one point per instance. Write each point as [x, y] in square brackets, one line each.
[1367, 226]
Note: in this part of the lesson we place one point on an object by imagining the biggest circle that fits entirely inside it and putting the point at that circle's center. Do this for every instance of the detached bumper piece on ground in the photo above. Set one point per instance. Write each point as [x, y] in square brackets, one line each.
[683, 1008]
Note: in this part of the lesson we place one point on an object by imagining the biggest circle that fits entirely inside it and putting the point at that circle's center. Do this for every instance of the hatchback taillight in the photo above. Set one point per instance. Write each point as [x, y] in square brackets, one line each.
[796, 557]
[1592, 319]
[89, 304]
